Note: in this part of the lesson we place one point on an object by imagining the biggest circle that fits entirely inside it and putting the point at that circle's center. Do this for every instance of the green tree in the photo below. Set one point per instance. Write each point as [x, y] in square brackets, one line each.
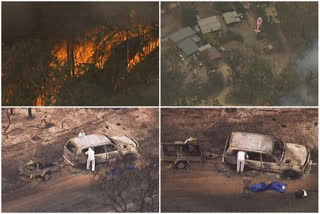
[189, 16]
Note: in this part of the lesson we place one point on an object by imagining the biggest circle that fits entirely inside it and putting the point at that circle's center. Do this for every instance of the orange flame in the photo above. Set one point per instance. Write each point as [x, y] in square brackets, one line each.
[85, 51]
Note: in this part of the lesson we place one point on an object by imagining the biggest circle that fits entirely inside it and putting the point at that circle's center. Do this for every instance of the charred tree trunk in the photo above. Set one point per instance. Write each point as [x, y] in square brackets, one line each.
[70, 55]
[30, 116]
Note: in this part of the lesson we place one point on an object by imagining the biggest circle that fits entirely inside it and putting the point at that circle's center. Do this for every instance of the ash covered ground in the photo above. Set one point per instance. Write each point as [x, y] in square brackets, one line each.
[211, 186]
[70, 189]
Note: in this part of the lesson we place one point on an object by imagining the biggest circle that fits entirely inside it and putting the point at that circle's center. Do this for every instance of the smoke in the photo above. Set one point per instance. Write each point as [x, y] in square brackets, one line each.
[61, 19]
[306, 92]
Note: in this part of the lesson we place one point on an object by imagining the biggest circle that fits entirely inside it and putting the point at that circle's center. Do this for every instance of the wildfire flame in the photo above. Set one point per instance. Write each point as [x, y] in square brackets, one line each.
[84, 51]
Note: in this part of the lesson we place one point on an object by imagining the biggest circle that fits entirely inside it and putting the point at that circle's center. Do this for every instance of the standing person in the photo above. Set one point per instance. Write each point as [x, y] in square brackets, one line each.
[81, 133]
[246, 185]
[241, 159]
[91, 159]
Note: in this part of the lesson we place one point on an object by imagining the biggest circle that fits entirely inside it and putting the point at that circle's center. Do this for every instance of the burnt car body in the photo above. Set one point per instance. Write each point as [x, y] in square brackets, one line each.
[181, 154]
[43, 170]
[267, 153]
[106, 148]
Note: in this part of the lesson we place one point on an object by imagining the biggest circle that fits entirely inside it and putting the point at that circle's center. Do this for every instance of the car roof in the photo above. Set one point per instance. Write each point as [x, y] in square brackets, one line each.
[251, 142]
[90, 140]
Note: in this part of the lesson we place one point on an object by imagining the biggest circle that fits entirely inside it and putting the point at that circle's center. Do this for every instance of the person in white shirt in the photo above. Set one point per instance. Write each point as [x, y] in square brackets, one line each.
[91, 159]
[241, 159]
[81, 133]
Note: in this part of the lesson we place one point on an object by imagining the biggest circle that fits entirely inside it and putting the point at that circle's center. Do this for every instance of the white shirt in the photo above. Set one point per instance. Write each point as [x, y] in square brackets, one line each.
[241, 155]
[81, 134]
[90, 154]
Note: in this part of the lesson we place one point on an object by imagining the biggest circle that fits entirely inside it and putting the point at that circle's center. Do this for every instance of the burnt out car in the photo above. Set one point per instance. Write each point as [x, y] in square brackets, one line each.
[180, 153]
[105, 148]
[265, 152]
[35, 169]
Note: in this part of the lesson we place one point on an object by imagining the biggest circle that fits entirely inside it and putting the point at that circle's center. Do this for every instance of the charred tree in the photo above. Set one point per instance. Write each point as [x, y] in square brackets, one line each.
[30, 116]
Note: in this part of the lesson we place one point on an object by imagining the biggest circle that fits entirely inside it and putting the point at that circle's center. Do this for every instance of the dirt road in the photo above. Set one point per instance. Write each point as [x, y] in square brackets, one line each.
[204, 189]
[65, 194]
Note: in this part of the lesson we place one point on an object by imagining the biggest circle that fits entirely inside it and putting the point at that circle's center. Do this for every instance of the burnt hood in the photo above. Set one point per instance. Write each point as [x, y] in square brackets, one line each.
[295, 154]
[124, 141]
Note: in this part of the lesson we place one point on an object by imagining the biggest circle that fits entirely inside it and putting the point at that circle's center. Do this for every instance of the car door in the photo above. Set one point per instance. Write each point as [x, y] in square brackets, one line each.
[100, 153]
[269, 163]
[112, 152]
[253, 160]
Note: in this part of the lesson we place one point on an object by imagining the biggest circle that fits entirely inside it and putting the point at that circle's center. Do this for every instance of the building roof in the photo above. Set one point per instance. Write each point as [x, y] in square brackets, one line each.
[204, 47]
[209, 24]
[188, 46]
[90, 140]
[252, 142]
[231, 17]
[182, 34]
[213, 53]
[196, 38]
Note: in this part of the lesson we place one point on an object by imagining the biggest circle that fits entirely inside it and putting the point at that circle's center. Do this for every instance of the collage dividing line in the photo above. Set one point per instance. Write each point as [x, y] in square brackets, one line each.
[159, 106]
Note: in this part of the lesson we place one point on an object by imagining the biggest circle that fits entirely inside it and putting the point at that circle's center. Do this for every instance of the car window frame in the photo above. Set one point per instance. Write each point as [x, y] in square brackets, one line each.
[105, 150]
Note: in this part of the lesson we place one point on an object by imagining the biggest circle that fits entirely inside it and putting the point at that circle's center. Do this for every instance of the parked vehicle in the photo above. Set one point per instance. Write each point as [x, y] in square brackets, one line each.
[181, 154]
[34, 169]
[106, 148]
[267, 153]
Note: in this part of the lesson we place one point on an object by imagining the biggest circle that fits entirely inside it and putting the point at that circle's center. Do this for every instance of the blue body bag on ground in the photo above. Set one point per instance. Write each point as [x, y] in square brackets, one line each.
[275, 186]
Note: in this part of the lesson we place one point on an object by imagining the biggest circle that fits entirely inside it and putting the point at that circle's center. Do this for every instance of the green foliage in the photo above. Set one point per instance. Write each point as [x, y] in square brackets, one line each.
[233, 59]
[197, 101]
[171, 78]
[230, 36]
[224, 7]
[189, 16]
[212, 39]
[254, 83]
[215, 83]
[300, 29]
[288, 79]
[239, 7]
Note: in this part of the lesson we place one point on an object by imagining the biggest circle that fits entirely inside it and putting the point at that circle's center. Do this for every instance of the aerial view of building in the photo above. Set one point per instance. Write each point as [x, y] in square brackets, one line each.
[239, 53]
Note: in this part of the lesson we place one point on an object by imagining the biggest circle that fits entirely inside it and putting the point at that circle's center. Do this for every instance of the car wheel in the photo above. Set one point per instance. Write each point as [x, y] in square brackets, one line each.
[181, 165]
[290, 174]
[46, 177]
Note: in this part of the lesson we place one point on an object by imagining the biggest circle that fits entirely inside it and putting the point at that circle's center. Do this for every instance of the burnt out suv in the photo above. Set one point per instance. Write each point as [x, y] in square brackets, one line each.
[106, 149]
[267, 153]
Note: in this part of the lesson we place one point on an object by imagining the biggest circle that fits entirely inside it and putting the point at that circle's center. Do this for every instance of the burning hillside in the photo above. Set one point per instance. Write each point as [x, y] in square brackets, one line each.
[102, 49]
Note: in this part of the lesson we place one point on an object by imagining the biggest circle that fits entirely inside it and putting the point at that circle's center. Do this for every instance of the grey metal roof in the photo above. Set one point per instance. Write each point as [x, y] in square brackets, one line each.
[90, 140]
[182, 34]
[209, 24]
[231, 17]
[204, 47]
[252, 142]
[196, 38]
[188, 46]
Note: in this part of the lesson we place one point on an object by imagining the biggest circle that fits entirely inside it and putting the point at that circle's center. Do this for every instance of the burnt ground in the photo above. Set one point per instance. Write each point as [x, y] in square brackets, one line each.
[211, 186]
[70, 189]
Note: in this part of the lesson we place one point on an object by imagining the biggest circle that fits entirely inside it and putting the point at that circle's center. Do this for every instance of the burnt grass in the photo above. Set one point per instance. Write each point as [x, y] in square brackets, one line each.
[211, 127]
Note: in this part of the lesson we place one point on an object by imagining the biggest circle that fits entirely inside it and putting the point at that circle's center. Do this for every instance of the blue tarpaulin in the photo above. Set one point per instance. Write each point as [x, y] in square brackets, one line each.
[275, 186]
